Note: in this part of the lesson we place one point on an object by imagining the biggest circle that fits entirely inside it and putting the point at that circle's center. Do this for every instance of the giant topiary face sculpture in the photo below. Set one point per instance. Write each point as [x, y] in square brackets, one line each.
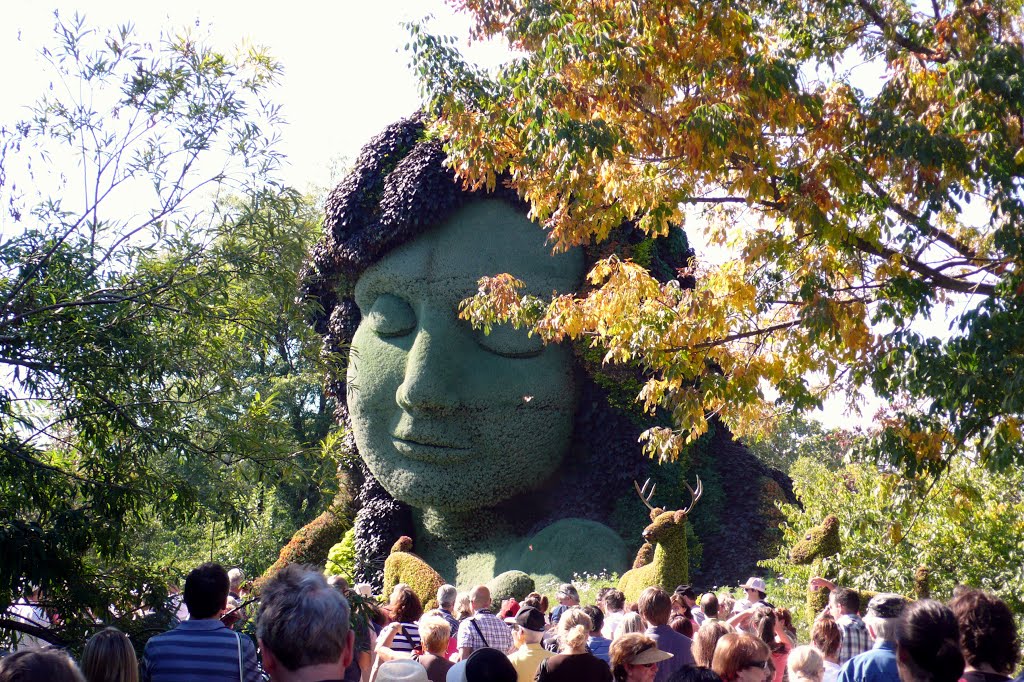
[486, 449]
[446, 416]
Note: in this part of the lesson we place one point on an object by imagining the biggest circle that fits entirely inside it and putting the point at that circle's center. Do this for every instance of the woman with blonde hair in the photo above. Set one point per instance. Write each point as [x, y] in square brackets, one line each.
[805, 664]
[574, 663]
[631, 623]
[110, 657]
[463, 607]
[434, 635]
[740, 657]
[635, 658]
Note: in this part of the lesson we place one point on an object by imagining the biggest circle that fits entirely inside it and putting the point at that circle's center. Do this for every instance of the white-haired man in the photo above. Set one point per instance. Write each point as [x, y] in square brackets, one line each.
[446, 596]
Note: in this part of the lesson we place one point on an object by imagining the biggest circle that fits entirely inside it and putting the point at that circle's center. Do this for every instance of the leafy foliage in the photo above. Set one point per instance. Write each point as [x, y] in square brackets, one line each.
[157, 372]
[848, 214]
[965, 526]
[795, 436]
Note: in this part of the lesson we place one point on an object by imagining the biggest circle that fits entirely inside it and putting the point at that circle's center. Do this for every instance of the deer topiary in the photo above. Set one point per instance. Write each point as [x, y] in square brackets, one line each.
[663, 559]
[823, 541]
[402, 566]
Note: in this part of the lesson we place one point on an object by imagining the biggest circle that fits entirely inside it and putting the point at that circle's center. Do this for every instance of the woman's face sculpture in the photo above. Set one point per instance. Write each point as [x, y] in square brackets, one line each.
[444, 416]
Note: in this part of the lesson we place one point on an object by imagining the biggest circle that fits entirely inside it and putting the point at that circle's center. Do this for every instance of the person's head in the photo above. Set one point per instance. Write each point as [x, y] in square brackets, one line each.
[573, 629]
[826, 637]
[600, 596]
[109, 657]
[754, 589]
[463, 605]
[843, 600]
[303, 624]
[434, 633]
[596, 618]
[655, 606]
[235, 578]
[567, 595]
[988, 630]
[882, 615]
[401, 670]
[635, 657]
[446, 596]
[688, 595]
[705, 640]
[805, 664]
[784, 616]
[405, 606]
[709, 605]
[487, 665]
[928, 643]
[614, 600]
[680, 605]
[206, 591]
[763, 623]
[529, 623]
[742, 657]
[726, 604]
[39, 665]
[480, 597]
[631, 623]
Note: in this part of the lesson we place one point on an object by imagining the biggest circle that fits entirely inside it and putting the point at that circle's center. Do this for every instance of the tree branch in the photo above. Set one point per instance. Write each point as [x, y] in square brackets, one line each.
[936, 277]
[903, 41]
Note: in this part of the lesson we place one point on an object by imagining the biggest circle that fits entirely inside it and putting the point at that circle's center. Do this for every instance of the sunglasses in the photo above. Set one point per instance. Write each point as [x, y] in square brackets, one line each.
[763, 665]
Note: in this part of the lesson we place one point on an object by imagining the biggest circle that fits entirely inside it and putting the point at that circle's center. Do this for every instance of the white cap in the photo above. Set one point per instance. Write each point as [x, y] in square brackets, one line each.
[401, 670]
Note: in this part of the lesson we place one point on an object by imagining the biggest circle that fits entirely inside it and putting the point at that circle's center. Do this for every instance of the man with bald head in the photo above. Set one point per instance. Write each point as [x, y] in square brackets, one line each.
[483, 628]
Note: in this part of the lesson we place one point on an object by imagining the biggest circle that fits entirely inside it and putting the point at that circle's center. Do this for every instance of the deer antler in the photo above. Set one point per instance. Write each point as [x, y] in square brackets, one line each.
[694, 494]
[645, 496]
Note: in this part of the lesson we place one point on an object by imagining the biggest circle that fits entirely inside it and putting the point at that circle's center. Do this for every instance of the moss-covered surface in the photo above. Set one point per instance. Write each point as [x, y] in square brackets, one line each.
[311, 544]
[510, 585]
[402, 566]
[820, 542]
[669, 566]
[399, 189]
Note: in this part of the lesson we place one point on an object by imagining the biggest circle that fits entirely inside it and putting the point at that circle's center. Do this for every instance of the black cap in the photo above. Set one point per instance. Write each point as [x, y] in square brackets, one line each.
[530, 618]
[886, 605]
[686, 591]
[489, 665]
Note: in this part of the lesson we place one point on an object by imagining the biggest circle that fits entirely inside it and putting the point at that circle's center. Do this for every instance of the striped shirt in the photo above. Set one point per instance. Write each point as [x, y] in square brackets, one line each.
[199, 651]
[407, 636]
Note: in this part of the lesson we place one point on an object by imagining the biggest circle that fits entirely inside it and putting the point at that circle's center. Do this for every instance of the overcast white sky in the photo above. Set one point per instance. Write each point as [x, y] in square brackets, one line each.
[346, 70]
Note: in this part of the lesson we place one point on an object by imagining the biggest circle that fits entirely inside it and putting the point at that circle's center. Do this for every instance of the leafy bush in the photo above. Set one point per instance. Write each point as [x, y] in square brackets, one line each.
[341, 558]
[966, 526]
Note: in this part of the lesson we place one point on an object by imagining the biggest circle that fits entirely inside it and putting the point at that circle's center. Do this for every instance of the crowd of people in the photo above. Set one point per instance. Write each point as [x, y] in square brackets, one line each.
[306, 631]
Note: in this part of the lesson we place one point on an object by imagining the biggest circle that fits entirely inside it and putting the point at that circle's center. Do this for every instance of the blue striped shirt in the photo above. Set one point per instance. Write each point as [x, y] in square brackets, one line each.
[199, 651]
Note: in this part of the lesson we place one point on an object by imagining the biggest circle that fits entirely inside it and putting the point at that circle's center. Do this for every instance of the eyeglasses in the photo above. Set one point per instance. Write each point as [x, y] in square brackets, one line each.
[763, 665]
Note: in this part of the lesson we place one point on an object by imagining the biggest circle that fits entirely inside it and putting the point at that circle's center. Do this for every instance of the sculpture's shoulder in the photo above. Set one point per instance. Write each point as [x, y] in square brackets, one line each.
[571, 546]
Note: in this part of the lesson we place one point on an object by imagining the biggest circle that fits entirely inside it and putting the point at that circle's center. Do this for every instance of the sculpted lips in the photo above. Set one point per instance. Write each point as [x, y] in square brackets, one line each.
[428, 448]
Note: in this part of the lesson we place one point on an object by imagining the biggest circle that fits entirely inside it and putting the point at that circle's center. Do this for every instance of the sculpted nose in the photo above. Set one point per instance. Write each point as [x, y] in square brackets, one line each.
[431, 369]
